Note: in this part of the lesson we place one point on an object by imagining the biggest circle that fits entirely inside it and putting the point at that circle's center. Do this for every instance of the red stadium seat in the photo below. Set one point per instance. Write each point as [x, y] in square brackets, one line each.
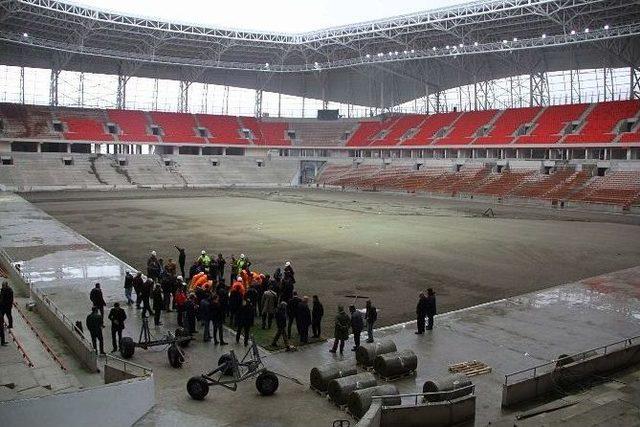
[222, 129]
[177, 127]
[506, 125]
[429, 127]
[133, 124]
[549, 126]
[602, 120]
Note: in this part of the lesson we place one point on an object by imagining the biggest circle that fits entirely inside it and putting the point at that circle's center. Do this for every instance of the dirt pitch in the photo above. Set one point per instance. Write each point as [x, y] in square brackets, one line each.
[383, 246]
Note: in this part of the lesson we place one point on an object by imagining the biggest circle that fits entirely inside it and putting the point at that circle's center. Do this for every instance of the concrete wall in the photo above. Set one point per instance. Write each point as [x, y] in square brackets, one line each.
[114, 375]
[532, 388]
[118, 404]
[456, 412]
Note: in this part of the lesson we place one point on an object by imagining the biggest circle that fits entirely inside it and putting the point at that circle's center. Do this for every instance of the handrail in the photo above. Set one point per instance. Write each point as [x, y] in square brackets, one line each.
[429, 393]
[534, 369]
[146, 371]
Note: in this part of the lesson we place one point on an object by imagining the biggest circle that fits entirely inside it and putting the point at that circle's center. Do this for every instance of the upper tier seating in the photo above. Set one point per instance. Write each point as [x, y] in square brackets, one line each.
[628, 137]
[321, 133]
[398, 128]
[551, 123]
[133, 124]
[177, 127]
[274, 133]
[507, 124]
[28, 121]
[363, 134]
[84, 125]
[222, 129]
[601, 122]
[465, 128]
[430, 127]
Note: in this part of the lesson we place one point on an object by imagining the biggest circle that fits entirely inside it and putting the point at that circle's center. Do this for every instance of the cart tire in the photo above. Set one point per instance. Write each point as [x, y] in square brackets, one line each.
[267, 383]
[127, 347]
[197, 388]
[226, 358]
[181, 333]
[175, 357]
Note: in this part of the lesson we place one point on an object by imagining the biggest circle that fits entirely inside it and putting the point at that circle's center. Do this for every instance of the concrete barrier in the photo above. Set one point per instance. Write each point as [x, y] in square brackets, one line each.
[118, 404]
[540, 385]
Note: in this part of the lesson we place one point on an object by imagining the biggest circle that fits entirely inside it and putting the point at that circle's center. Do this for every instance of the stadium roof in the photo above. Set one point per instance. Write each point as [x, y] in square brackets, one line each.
[377, 63]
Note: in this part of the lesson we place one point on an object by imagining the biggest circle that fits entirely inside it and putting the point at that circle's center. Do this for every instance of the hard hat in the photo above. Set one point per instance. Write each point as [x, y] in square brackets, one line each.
[241, 255]
[180, 278]
[287, 263]
[203, 253]
[153, 253]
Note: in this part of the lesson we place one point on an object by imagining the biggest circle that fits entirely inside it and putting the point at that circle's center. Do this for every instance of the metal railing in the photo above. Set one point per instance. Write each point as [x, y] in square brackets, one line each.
[416, 396]
[126, 366]
[603, 349]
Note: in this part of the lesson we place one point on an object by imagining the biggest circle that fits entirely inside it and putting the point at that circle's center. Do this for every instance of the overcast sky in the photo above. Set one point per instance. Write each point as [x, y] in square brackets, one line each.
[269, 15]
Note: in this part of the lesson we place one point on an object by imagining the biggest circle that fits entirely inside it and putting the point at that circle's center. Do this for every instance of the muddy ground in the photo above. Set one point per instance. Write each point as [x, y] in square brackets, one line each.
[386, 247]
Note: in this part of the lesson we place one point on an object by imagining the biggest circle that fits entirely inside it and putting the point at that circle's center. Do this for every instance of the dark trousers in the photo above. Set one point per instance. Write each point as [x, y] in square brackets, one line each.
[218, 332]
[281, 333]
[191, 324]
[220, 274]
[166, 300]
[182, 269]
[315, 328]
[267, 319]
[245, 330]
[335, 345]
[127, 293]
[303, 330]
[429, 321]
[2, 337]
[289, 323]
[7, 312]
[100, 309]
[138, 299]
[420, 324]
[356, 338]
[370, 332]
[180, 316]
[206, 335]
[97, 337]
[116, 332]
[156, 317]
[146, 307]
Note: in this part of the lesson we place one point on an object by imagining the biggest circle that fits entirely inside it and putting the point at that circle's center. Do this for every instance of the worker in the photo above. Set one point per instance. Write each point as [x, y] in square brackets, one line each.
[421, 312]
[217, 317]
[204, 259]
[371, 315]
[244, 321]
[94, 326]
[190, 308]
[221, 262]
[171, 268]
[117, 317]
[289, 274]
[303, 319]
[128, 287]
[6, 303]
[281, 324]
[158, 303]
[147, 289]
[180, 299]
[317, 312]
[153, 266]
[204, 312]
[137, 286]
[341, 330]
[97, 299]
[269, 307]
[182, 257]
[292, 309]
[236, 295]
[357, 325]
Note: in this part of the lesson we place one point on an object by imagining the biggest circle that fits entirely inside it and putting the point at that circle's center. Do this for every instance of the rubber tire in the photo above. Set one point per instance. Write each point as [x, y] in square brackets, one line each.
[127, 347]
[224, 359]
[267, 383]
[182, 332]
[197, 388]
[175, 357]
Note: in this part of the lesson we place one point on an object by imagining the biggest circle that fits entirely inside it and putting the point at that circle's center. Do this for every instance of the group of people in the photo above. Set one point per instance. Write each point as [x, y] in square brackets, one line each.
[205, 298]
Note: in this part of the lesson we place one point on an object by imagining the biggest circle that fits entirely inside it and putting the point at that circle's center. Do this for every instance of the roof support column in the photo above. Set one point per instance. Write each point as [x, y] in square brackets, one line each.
[204, 103]
[634, 84]
[53, 87]
[258, 103]
[183, 100]
[121, 95]
[155, 95]
[279, 105]
[608, 84]
[538, 90]
[81, 90]
[574, 82]
[22, 85]
[225, 100]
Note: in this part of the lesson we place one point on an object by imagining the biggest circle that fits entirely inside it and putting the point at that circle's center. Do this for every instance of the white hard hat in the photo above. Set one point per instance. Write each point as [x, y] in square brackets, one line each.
[153, 253]
[180, 278]
[144, 278]
[203, 252]
[241, 255]
[239, 279]
[287, 263]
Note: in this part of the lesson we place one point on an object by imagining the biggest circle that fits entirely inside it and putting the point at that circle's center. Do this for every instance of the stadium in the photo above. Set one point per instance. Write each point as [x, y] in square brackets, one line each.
[488, 151]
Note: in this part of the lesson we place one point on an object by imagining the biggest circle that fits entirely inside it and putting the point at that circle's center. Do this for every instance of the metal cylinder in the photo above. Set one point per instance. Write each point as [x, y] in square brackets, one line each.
[367, 353]
[394, 364]
[320, 376]
[450, 387]
[340, 388]
[359, 401]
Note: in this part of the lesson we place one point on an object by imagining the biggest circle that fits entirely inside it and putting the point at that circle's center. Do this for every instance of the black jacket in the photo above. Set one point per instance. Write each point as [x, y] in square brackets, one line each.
[281, 318]
[117, 317]
[216, 312]
[128, 281]
[371, 315]
[421, 308]
[158, 299]
[6, 298]
[246, 314]
[235, 301]
[96, 297]
[303, 315]
[292, 306]
[357, 323]
[204, 310]
[137, 284]
[94, 323]
[430, 305]
[317, 312]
